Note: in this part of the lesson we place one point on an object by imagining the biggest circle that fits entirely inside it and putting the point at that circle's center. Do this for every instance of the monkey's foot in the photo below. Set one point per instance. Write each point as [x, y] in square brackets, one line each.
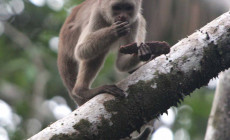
[82, 95]
[113, 90]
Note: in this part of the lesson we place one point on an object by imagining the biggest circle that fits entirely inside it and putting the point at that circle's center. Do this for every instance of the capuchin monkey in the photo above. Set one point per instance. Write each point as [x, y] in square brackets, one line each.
[92, 29]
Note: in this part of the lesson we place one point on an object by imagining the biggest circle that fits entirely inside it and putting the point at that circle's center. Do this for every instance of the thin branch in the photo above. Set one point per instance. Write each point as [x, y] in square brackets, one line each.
[219, 119]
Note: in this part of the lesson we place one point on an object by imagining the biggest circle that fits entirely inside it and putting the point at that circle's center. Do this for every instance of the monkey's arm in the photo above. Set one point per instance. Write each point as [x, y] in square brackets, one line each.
[87, 71]
[94, 43]
[130, 62]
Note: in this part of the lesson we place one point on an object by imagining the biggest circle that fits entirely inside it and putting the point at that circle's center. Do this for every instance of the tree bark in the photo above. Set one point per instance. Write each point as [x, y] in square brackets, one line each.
[151, 90]
[219, 120]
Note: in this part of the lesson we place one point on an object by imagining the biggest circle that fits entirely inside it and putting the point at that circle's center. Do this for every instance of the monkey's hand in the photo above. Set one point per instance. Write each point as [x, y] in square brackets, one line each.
[113, 90]
[146, 51]
[150, 50]
[120, 28]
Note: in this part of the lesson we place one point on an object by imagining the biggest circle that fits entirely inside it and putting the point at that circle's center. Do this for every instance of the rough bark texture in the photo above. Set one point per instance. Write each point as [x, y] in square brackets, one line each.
[219, 120]
[152, 89]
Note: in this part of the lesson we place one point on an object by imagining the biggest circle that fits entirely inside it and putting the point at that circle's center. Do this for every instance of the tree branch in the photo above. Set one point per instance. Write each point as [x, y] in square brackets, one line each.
[152, 89]
[219, 119]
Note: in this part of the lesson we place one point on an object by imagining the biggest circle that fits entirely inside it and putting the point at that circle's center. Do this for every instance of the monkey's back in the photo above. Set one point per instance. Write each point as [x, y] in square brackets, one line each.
[69, 35]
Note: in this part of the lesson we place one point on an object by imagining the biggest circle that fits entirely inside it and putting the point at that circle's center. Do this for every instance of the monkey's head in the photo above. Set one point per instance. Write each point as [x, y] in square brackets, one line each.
[120, 10]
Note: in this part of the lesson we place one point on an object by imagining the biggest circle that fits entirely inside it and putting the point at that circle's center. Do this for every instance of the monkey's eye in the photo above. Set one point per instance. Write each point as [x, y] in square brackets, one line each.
[129, 7]
[117, 8]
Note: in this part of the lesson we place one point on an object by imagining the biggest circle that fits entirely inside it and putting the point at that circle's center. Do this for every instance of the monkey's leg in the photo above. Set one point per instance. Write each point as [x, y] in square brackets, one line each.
[82, 94]
[133, 70]
[88, 69]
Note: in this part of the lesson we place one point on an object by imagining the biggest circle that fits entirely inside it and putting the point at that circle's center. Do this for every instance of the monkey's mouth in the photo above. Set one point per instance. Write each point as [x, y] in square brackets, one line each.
[121, 18]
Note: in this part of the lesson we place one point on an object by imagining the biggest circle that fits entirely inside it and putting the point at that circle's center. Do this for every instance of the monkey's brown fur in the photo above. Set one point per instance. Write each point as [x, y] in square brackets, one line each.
[91, 30]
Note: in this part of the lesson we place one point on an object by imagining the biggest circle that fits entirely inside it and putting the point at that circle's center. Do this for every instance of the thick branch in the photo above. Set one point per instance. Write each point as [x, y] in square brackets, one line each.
[219, 119]
[152, 89]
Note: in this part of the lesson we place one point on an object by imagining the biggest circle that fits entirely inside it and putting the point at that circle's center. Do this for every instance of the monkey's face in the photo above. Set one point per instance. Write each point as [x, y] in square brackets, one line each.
[120, 10]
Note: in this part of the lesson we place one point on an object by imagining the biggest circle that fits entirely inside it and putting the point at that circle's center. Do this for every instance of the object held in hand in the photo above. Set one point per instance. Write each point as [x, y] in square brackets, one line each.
[157, 48]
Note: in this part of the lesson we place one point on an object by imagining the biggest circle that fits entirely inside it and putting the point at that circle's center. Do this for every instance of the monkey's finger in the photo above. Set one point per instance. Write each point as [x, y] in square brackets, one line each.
[118, 22]
[144, 50]
[114, 90]
[148, 48]
[116, 93]
[143, 54]
[140, 51]
[114, 87]
[123, 32]
[122, 24]
[123, 27]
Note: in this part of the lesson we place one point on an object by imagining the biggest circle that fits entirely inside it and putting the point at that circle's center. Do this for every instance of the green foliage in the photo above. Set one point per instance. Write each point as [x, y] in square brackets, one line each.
[194, 118]
[106, 75]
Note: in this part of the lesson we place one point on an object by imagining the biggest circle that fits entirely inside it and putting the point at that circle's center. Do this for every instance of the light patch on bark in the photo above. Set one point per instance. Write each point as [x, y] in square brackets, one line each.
[211, 131]
[93, 111]
[154, 86]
